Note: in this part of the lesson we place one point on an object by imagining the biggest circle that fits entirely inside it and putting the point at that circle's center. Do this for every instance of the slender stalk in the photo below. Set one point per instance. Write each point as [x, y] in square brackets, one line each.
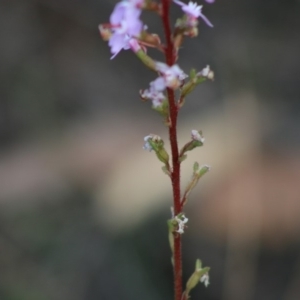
[175, 175]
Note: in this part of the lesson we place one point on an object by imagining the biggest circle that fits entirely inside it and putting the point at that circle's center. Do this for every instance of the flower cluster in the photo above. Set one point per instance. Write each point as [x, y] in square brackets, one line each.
[170, 77]
[181, 221]
[125, 25]
[168, 93]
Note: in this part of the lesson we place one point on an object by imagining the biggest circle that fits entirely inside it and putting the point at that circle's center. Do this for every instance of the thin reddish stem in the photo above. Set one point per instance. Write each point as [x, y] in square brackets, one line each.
[175, 175]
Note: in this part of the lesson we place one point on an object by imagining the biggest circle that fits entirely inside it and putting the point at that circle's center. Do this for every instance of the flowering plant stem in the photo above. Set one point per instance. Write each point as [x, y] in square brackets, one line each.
[126, 31]
[175, 175]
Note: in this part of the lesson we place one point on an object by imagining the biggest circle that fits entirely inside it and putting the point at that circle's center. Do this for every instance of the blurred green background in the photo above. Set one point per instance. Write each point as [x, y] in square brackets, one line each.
[83, 208]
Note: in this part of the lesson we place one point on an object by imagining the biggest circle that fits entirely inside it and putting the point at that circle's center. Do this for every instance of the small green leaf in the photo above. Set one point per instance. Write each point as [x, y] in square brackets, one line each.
[196, 167]
[204, 169]
[193, 73]
[182, 158]
[166, 170]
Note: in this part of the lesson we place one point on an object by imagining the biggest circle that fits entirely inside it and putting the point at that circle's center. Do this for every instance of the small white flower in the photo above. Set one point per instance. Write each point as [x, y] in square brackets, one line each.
[181, 223]
[153, 137]
[205, 279]
[207, 167]
[205, 71]
[147, 145]
[196, 136]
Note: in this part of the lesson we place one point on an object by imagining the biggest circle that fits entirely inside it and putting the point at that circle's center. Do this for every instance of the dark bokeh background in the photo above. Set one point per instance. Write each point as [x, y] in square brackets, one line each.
[83, 209]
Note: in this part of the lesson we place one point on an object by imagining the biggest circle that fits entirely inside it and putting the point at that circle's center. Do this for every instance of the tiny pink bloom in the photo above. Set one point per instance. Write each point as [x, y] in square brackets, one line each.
[157, 102]
[173, 76]
[125, 24]
[125, 18]
[158, 84]
[117, 42]
[193, 11]
[154, 93]
[157, 98]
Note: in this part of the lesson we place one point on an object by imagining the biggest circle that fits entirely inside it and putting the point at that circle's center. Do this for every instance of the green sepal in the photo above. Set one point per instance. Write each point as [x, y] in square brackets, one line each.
[196, 166]
[161, 153]
[171, 241]
[195, 79]
[172, 224]
[189, 146]
[163, 109]
[188, 87]
[203, 171]
[182, 158]
[166, 170]
[200, 80]
[193, 73]
[198, 264]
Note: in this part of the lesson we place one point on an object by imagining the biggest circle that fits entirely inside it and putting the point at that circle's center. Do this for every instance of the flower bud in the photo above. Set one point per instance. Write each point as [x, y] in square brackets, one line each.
[197, 136]
[200, 275]
[197, 141]
[154, 142]
[104, 32]
[206, 73]
[203, 170]
[195, 79]
[150, 40]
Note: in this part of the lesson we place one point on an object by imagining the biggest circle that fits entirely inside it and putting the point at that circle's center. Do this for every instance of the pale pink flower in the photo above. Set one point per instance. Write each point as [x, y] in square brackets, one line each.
[154, 95]
[125, 24]
[172, 77]
[193, 11]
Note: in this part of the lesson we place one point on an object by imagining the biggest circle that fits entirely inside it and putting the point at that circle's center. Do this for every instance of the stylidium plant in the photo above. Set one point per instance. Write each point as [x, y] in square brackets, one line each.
[125, 31]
